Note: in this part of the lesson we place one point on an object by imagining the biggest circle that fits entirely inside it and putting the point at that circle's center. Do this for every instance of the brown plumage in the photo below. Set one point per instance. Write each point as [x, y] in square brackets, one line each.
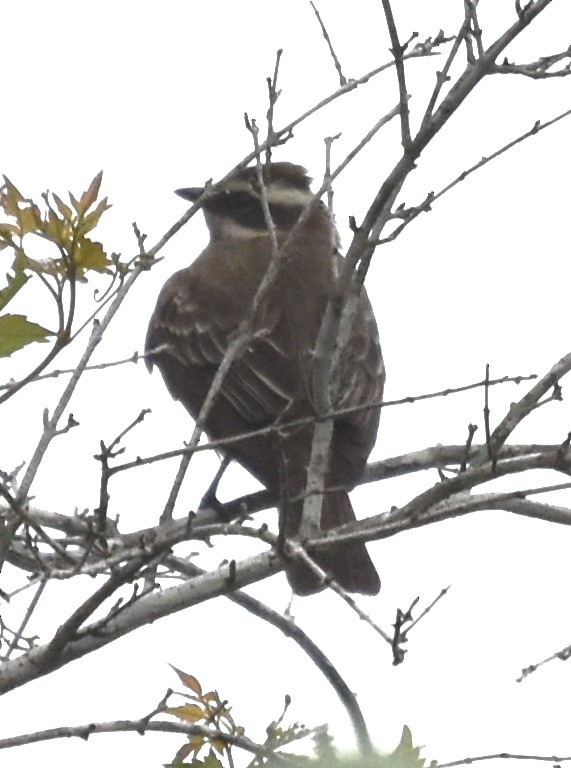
[201, 306]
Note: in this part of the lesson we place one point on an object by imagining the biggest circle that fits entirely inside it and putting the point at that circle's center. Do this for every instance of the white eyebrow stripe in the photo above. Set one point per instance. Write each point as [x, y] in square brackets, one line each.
[277, 194]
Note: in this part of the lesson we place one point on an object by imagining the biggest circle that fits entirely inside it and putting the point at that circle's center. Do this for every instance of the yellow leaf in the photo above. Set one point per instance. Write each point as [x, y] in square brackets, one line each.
[183, 752]
[10, 198]
[6, 235]
[64, 209]
[219, 745]
[212, 762]
[190, 713]
[55, 229]
[196, 742]
[29, 219]
[89, 254]
[90, 221]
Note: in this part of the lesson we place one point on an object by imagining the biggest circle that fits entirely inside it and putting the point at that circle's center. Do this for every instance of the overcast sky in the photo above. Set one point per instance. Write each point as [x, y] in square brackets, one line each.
[154, 94]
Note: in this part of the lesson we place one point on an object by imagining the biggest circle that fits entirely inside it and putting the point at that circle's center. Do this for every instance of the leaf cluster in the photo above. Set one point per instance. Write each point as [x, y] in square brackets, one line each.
[67, 227]
[210, 710]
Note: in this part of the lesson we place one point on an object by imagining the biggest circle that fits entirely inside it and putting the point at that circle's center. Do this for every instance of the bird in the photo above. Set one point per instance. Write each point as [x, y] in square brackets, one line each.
[268, 387]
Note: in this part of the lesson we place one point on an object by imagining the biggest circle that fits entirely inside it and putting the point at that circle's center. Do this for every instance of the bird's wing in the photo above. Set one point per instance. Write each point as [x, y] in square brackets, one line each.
[195, 335]
[361, 373]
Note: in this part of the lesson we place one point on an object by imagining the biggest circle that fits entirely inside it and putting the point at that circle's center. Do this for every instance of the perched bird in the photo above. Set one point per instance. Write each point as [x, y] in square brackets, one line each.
[201, 306]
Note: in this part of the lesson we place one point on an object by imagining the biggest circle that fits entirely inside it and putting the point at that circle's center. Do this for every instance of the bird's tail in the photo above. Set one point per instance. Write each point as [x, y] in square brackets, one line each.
[348, 563]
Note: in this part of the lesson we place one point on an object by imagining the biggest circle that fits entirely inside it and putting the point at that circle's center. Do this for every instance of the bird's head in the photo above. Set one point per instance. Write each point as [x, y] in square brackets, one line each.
[233, 209]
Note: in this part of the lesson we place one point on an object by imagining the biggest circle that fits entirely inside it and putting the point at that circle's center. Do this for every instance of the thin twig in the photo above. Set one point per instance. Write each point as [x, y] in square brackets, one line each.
[328, 140]
[501, 756]
[563, 655]
[537, 70]
[474, 29]
[428, 608]
[398, 50]
[335, 413]
[134, 358]
[443, 76]
[342, 78]
[491, 455]
[273, 96]
[108, 452]
[27, 616]
[471, 432]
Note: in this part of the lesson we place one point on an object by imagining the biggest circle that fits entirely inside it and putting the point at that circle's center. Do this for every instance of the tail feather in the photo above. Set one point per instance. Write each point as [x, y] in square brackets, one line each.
[348, 563]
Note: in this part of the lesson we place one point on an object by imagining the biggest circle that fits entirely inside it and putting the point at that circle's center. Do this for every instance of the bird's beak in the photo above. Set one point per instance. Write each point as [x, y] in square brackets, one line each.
[190, 193]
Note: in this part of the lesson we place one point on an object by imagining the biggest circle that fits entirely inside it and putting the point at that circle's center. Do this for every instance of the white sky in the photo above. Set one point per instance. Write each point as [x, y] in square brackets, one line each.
[155, 94]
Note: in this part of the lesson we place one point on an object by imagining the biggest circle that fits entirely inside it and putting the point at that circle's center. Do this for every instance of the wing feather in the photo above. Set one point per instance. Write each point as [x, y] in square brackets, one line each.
[259, 384]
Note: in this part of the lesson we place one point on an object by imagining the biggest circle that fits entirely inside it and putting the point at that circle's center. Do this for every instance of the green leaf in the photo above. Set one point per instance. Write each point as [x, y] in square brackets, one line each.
[90, 221]
[15, 281]
[26, 212]
[10, 198]
[405, 755]
[29, 218]
[90, 255]
[183, 752]
[7, 232]
[56, 229]
[64, 209]
[16, 331]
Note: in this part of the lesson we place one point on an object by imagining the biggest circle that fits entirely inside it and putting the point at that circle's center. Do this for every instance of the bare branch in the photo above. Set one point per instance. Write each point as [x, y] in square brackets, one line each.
[398, 50]
[108, 452]
[136, 726]
[474, 29]
[540, 69]
[273, 96]
[342, 78]
[442, 77]
[134, 358]
[328, 140]
[13, 645]
[518, 411]
[501, 755]
[73, 642]
[563, 655]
